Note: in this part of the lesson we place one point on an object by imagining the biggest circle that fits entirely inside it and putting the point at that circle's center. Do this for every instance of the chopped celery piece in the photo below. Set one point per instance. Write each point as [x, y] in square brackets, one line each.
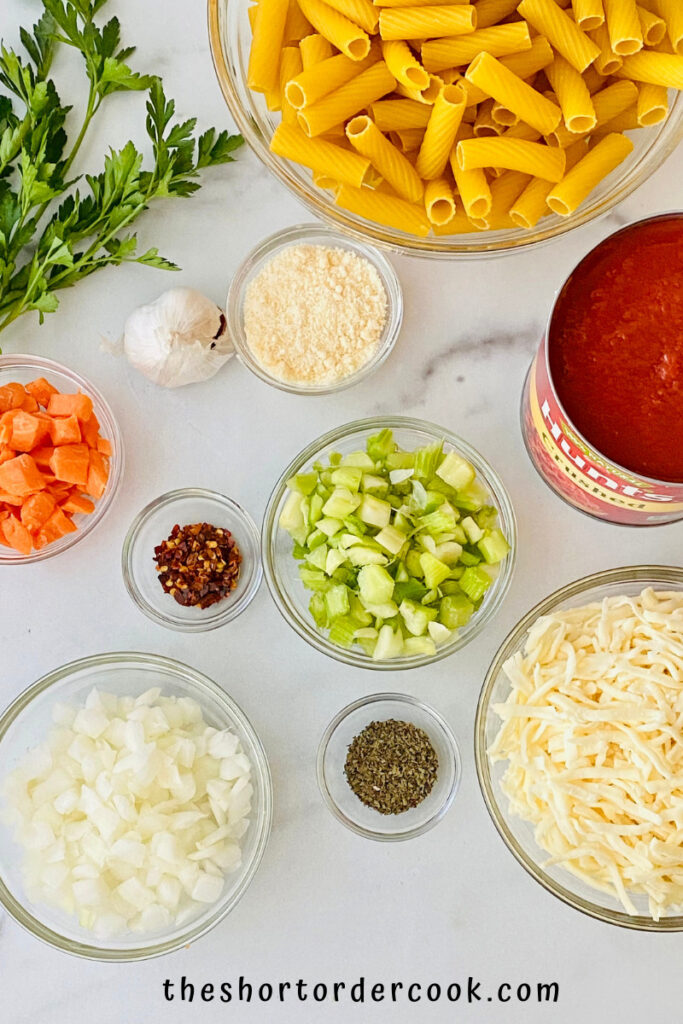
[434, 571]
[411, 589]
[471, 498]
[304, 483]
[360, 459]
[473, 532]
[414, 645]
[395, 545]
[427, 459]
[455, 610]
[374, 511]
[375, 585]
[379, 445]
[455, 471]
[337, 601]
[475, 581]
[341, 503]
[493, 547]
[416, 616]
[361, 555]
[347, 476]
[329, 526]
[439, 633]
[370, 482]
[342, 632]
[391, 539]
[389, 644]
[292, 515]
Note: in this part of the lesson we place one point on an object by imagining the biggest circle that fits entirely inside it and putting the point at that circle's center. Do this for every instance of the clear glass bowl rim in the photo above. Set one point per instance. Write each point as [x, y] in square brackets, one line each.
[230, 611]
[308, 232]
[451, 743]
[25, 360]
[389, 238]
[270, 528]
[659, 574]
[262, 819]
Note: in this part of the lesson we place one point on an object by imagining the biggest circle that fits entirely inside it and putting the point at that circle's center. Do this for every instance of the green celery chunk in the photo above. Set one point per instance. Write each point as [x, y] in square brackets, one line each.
[434, 571]
[361, 555]
[375, 585]
[455, 610]
[316, 509]
[416, 616]
[455, 471]
[318, 610]
[317, 558]
[313, 579]
[439, 633]
[315, 539]
[389, 610]
[493, 546]
[470, 558]
[342, 632]
[335, 458]
[341, 504]
[359, 459]
[486, 517]
[389, 644]
[391, 539]
[329, 526]
[337, 601]
[475, 581]
[304, 483]
[414, 645]
[374, 511]
[448, 552]
[473, 531]
[427, 459]
[437, 522]
[413, 563]
[292, 515]
[379, 445]
[400, 460]
[348, 477]
[471, 498]
[334, 559]
[359, 612]
[411, 589]
[372, 482]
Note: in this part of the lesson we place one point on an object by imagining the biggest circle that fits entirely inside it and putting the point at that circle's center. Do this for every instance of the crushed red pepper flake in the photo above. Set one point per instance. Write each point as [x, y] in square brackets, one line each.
[198, 564]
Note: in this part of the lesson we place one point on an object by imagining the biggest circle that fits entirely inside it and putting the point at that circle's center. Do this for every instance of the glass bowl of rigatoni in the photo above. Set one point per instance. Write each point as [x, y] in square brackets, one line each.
[454, 129]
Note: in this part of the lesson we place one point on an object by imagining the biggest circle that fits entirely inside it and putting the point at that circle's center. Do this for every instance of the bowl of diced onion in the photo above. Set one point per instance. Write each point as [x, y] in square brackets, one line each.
[576, 754]
[397, 630]
[136, 806]
[230, 37]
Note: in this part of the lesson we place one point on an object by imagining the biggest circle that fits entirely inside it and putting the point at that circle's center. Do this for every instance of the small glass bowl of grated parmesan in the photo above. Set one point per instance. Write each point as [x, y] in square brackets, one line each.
[578, 745]
[312, 312]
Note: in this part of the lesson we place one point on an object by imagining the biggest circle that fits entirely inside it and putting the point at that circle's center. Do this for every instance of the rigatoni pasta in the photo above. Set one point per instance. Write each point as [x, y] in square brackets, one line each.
[455, 117]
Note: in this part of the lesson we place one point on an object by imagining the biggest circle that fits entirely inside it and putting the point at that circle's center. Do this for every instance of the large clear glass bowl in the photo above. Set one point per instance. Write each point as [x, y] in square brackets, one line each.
[282, 570]
[25, 368]
[230, 39]
[27, 722]
[517, 834]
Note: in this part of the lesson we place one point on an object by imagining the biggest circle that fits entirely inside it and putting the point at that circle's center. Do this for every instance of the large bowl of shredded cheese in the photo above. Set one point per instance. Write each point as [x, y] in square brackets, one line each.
[579, 745]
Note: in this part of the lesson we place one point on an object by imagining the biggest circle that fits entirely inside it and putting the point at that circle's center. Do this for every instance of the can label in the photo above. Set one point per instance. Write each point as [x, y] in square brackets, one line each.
[581, 475]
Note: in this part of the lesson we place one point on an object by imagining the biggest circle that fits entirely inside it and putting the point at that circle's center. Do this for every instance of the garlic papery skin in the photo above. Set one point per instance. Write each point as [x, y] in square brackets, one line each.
[181, 338]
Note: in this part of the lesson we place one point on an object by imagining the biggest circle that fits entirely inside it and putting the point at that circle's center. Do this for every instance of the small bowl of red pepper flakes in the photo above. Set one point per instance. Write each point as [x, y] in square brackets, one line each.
[191, 560]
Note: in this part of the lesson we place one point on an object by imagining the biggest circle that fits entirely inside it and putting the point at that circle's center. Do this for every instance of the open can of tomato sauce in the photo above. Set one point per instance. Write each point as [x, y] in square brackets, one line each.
[602, 409]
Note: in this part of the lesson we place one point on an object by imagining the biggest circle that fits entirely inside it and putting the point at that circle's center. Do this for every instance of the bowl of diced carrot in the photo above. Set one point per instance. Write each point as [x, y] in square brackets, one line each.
[61, 458]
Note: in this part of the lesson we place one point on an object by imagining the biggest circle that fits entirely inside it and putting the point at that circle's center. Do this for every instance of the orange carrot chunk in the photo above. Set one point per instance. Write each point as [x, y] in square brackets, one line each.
[70, 463]
[66, 405]
[41, 390]
[78, 504]
[65, 430]
[105, 447]
[27, 431]
[16, 535]
[98, 474]
[91, 431]
[6, 454]
[37, 510]
[11, 396]
[21, 476]
[56, 526]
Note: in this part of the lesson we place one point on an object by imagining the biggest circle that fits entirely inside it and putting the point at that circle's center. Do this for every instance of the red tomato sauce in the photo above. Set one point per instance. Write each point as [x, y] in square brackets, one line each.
[616, 348]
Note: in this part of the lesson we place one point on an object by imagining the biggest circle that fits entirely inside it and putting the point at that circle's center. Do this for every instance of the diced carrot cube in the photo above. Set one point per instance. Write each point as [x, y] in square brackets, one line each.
[66, 405]
[91, 431]
[41, 390]
[27, 431]
[36, 510]
[70, 463]
[11, 396]
[42, 455]
[6, 454]
[11, 499]
[98, 474]
[21, 476]
[16, 535]
[105, 447]
[56, 526]
[6, 422]
[30, 404]
[65, 430]
[78, 504]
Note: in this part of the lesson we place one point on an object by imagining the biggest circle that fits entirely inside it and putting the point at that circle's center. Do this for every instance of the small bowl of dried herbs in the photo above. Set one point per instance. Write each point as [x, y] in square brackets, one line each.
[388, 767]
[191, 560]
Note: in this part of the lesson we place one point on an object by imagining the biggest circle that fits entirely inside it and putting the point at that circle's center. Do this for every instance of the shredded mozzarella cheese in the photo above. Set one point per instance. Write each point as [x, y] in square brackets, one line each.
[592, 731]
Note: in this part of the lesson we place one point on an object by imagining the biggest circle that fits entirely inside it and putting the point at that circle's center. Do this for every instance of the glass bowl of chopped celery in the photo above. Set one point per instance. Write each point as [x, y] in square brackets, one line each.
[388, 543]
[136, 805]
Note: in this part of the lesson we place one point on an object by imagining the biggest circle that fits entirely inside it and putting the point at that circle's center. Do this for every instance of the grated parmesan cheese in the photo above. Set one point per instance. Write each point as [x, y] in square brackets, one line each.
[593, 735]
[314, 315]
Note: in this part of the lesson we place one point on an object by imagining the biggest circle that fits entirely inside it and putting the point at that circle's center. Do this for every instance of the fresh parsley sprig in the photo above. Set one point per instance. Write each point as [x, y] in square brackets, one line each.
[55, 231]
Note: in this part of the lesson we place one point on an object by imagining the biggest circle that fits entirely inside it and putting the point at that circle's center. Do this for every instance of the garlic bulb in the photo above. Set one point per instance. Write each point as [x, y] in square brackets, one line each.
[181, 338]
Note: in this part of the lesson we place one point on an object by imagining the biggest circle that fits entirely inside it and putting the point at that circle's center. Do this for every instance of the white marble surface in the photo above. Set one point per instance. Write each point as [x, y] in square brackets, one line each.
[325, 905]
